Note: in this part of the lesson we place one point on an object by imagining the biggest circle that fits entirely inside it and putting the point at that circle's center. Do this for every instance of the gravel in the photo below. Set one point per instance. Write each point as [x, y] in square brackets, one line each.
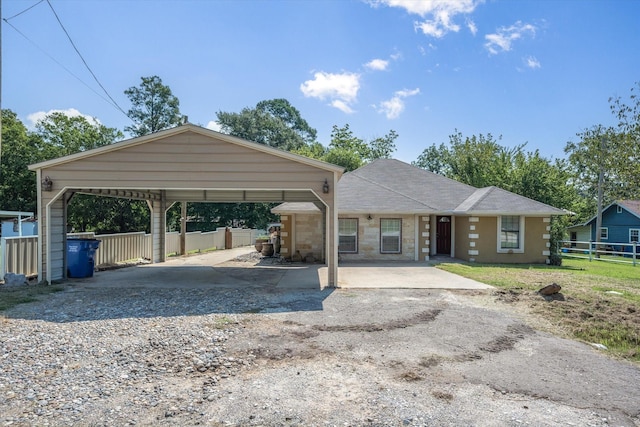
[263, 356]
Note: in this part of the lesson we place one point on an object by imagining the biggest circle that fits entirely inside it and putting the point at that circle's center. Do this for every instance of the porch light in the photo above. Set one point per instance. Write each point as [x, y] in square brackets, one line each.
[47, 184]
[325, 186]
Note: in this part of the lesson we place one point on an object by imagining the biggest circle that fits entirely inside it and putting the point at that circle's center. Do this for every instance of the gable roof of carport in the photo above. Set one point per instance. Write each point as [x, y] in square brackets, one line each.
[182, 129]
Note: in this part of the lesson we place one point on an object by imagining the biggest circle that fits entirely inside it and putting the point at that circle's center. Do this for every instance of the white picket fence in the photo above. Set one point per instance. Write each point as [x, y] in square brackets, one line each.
[20, 254]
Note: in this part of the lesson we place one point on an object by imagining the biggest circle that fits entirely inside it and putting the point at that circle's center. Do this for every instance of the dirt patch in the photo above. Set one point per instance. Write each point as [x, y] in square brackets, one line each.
[427, 316]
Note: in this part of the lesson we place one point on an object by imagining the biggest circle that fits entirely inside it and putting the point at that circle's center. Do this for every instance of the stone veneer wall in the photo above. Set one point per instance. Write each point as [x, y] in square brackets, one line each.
[307, 230]
[369, 239]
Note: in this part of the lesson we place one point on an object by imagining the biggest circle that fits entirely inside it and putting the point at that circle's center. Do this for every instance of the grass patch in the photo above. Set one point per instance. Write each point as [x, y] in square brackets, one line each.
[12, 296]
[585, 309]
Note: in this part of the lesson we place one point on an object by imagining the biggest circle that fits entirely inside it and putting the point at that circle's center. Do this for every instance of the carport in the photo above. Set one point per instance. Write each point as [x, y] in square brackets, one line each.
[184, 164]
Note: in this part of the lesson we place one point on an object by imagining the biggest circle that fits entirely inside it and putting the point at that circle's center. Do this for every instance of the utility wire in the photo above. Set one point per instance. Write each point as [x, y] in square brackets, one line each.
[83, 60]
[20, 13]
[57, 62]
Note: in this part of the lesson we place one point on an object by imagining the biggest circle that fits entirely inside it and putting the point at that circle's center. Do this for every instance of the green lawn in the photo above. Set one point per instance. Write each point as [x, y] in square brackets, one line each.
[599, 301]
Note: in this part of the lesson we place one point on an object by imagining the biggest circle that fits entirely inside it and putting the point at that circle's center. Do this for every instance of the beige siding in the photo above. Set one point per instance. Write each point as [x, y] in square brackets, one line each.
[480, 244]
[187, 160]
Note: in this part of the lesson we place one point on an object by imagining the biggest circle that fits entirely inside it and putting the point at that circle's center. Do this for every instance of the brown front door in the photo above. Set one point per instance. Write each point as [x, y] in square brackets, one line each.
[443, 235]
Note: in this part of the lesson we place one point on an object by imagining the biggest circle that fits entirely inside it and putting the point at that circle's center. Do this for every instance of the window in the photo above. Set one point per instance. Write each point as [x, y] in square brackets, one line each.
[604, 233]
[619, 210]
[390, 236]
[348, 235]
[634, 235]
[510, 233]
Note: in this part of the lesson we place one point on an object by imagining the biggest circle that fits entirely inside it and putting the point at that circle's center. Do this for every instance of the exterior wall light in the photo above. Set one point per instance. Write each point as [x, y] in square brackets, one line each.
[47, 184]
[325, 186]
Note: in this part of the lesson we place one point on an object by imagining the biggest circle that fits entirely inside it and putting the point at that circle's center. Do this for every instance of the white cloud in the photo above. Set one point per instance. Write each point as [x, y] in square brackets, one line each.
[213, 125]
[393, 107]
[377, 64]
[532, 62]
[501, 40]
[34, 118]
[439, 13]
[472, 27]
[341, 89]
[342, 106]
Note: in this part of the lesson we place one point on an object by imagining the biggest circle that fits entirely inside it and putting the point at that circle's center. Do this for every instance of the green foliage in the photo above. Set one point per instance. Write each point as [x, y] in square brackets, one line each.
[351, 152]
[61, 135]
[18, 189]
[153, 107]
[107, 215]
[628, 115]
[481, 161]
[250, 215]
[274, 122]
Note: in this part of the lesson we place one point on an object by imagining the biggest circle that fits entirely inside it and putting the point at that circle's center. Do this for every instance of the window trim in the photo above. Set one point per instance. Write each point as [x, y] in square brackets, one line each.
[619, 209]
[637, 230]
[606, 233]
[521, 233]
[399, 251]
[349, 235]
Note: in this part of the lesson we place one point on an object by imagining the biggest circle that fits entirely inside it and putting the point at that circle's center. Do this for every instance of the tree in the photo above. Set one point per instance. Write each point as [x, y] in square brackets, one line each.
[18, 189]
[274, 122]
[628, 166]
[351, 152]
[477, 160]
[154, 107]
[60, 135]
[481, 162]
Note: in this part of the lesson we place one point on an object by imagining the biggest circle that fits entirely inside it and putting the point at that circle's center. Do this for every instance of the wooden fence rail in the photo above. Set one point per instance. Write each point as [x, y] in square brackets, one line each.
[20, 254]
[628, 253]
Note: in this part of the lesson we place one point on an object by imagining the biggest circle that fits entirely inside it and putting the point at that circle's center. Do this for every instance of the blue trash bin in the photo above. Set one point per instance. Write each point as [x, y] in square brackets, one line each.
[81, 257]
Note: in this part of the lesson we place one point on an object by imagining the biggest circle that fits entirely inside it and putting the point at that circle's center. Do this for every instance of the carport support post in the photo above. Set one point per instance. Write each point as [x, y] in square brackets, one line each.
[332, 244]
[158, 228]
[183, 228]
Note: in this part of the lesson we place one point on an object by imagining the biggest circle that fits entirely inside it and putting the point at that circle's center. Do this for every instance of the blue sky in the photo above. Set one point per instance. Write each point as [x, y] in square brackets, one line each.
[535, 72]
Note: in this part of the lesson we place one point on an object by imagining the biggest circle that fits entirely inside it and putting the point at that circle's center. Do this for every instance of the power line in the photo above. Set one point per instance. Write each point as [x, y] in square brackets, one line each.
[83, 60]
[56, 61]
[26, 10]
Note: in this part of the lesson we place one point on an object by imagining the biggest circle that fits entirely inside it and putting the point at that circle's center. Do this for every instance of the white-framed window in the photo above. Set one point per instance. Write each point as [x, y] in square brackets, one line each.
[511, 233]
[619, 210]
[390, 236]
[348, 235]
[604, 233]
[634, 235]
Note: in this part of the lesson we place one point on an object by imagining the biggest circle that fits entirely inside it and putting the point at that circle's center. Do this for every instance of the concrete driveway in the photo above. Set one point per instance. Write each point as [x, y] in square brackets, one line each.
[222, 269]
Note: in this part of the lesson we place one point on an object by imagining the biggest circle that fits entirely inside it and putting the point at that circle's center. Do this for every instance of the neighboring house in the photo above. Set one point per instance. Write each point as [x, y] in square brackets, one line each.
[15, 223]
[620, 224]
[389, 210]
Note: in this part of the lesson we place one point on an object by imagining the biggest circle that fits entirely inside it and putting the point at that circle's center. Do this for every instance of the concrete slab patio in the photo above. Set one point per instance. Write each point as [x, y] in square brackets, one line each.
[221, 269]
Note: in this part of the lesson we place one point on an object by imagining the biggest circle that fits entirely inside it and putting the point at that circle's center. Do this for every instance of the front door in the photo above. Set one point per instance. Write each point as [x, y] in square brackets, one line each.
[443, 235]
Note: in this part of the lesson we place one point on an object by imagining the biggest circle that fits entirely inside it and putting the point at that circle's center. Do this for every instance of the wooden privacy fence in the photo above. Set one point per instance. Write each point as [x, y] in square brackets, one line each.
[20, 254]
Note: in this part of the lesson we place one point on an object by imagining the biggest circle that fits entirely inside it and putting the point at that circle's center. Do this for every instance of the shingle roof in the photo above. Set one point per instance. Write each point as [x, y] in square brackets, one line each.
[392, 186]
[632, 206]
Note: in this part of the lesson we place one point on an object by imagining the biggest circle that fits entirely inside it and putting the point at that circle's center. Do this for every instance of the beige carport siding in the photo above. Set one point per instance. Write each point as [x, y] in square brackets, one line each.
[184, 164]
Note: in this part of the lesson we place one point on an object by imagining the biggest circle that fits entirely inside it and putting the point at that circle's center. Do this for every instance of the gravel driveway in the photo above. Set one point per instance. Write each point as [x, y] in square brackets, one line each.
[259, 355]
